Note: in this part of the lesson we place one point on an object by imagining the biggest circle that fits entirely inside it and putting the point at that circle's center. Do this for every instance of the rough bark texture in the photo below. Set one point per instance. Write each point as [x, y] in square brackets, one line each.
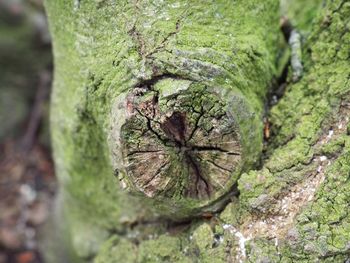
[178, 96]
[112, 57]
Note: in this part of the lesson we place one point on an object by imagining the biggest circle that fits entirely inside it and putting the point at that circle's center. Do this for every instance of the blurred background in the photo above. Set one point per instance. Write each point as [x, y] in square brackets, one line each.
[27, 181]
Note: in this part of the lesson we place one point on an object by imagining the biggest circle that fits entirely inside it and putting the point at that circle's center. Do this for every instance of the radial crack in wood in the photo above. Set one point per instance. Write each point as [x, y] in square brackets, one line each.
[184, 145]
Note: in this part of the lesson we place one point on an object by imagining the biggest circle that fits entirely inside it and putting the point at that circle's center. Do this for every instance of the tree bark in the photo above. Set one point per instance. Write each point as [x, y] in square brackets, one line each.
[170, 97]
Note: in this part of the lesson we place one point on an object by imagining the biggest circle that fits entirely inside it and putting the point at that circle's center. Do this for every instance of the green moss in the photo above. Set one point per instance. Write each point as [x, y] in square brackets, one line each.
[86, 238]
[207, 246]
[116, 250]
[104, 63]
[203, 236]
[262, 250]
[230, 213]
[254, 183]
[323, 226]
[295, 152]
[114, 46]
[301, 119]
[333, 147]
[164, 249]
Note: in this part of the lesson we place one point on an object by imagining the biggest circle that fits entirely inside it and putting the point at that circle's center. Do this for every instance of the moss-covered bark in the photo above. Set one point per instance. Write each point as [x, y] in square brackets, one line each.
[292, 209]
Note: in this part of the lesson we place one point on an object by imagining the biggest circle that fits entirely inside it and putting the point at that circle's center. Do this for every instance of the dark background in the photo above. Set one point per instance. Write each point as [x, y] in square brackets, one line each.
[27, 181]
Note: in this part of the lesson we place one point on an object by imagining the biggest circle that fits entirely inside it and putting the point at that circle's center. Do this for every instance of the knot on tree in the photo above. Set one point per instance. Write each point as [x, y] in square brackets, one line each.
[177, 141]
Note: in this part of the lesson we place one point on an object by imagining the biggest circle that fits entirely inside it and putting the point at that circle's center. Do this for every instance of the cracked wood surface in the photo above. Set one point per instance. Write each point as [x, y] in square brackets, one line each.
[180, 150]
[225, 57]
[111, 60]
[192, 115]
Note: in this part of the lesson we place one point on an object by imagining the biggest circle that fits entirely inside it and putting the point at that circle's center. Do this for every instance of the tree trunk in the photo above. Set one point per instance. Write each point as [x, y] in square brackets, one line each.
[170, 98]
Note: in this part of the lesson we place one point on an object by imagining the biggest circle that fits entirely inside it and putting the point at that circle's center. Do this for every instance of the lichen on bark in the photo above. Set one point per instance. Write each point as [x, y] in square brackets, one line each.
[188, 91]
[294, 208]
[104, 64]
[182, 147]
